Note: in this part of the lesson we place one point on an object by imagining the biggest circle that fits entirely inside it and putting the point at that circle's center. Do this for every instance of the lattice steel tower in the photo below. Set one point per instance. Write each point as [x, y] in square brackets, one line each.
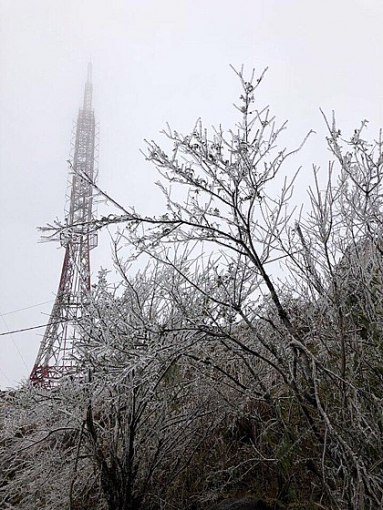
[57, 353]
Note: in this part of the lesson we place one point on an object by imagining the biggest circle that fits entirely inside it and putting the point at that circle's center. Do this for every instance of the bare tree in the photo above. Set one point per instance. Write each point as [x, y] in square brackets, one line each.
[318, 331]
[255, 326]
[143, 418]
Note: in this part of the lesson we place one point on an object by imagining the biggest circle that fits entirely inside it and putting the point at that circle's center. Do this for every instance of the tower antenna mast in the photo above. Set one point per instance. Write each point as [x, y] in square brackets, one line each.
[56, 357]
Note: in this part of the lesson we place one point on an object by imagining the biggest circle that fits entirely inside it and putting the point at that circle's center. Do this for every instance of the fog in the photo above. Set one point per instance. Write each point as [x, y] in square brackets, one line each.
[154, 61]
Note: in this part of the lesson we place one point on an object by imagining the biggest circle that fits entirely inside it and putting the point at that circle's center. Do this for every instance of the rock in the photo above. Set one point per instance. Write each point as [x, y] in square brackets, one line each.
[242, 504]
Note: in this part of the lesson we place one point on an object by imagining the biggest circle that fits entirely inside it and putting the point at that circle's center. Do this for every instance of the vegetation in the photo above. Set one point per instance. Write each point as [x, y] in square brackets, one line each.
[245, 360]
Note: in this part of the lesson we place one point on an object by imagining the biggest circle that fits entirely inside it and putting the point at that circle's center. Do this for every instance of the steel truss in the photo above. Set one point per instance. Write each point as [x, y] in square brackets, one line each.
[57, 354]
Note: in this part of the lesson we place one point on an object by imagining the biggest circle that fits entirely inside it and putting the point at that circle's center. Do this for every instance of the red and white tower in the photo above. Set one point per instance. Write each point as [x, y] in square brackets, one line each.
[57, 353]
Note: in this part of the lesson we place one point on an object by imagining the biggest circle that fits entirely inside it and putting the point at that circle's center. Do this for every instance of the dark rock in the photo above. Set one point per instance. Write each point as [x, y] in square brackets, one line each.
[242, 504]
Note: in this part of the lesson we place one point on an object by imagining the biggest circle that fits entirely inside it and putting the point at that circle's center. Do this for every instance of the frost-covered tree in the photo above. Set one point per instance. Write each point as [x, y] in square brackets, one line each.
[310, 338]
[247, 357]
[122, 434]
[39, 451]
[148, 411]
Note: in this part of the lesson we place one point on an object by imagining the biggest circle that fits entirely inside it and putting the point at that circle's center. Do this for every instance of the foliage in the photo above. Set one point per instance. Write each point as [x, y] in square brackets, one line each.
[245, 359]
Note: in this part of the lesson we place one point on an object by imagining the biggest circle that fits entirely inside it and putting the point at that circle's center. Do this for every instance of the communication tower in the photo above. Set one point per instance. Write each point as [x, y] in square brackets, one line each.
[57, 353]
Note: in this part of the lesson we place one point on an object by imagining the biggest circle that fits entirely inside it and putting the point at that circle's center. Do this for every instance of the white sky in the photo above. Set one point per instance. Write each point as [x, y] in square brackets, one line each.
[154, 61]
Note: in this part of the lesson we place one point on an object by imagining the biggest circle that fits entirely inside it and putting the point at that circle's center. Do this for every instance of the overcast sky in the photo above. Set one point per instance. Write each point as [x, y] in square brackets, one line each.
[154, 61]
